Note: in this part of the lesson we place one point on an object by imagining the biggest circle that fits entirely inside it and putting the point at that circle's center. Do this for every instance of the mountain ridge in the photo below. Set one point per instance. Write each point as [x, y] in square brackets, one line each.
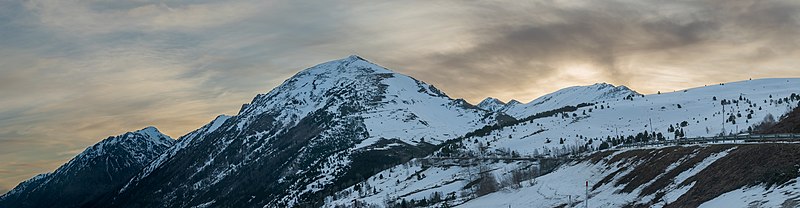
[94, 173]
[318, 131]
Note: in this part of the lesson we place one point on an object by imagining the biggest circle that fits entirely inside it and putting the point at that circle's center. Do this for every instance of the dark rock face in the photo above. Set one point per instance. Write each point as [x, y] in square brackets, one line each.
[98, 172]
[235, 171]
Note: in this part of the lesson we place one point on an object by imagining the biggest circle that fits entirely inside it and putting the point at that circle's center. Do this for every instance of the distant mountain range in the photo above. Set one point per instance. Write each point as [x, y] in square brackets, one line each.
[333, 128]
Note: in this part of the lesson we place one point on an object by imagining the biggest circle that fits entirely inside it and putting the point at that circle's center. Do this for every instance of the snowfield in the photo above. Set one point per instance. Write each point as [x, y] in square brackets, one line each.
[693, 112]
[568, 186]
[696, 112]
[650, 177]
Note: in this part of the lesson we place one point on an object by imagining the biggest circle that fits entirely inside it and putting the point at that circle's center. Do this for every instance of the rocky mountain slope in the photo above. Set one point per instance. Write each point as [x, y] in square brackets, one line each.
[97, 172]
[323, 129]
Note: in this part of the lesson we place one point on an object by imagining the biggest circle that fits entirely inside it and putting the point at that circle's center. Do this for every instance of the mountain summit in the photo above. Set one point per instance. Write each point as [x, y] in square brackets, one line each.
[491, 104]
[321, 130]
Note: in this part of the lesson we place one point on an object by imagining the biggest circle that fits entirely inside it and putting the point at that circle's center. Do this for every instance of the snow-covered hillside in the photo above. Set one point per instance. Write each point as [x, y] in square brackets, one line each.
[689, 176]
[719, 175]
[693, 112]
[97, 172]
[413, 182]
[687, 113]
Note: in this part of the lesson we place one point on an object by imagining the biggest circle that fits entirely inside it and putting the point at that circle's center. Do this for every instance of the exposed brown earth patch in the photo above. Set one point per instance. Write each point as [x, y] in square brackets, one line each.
[654, 164]
[598, 156]
[747, 165]
[688, 163]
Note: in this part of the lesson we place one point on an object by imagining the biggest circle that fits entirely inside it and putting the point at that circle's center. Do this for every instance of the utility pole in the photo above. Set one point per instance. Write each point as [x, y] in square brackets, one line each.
[723, 117]
[651, 127]
[587, 195]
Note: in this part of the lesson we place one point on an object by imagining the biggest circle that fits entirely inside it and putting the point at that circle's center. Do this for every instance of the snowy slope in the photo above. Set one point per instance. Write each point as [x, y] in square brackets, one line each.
[567, 186]
[758, 196]
[322, 129]
[719, 175]
[571, 96]
[695, 112]
[182, 143]
[415, 181]
[98, 171]
[688, 176]
[702, 113]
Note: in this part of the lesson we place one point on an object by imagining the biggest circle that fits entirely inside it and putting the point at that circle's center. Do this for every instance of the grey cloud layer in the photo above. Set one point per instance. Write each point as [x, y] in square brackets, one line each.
[623, 43]
[74, 72]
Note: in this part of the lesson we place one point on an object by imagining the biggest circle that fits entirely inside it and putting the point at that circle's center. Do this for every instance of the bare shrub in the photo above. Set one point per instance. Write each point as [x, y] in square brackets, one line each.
[488, 184]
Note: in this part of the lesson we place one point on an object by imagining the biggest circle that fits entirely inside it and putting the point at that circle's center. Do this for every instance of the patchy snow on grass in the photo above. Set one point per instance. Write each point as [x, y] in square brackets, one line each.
[759, 196]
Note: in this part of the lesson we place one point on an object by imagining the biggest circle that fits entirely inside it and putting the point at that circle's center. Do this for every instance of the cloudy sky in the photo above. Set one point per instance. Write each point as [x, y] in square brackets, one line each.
[75, 72]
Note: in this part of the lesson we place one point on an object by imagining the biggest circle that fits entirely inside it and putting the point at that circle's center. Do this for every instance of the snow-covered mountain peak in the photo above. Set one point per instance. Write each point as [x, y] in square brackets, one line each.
[513, 102]
[571, 96]
[491, 100]
[154, 134]
[136, 142]
[351, 84]
[97, 171]
[600, 85]
[332, 119]
[148, 130]
[491, 104]
[601, 88]
[354, 58]
[350, 65]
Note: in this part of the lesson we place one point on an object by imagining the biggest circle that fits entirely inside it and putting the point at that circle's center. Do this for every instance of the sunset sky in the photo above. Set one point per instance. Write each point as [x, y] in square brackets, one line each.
[75, 72]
